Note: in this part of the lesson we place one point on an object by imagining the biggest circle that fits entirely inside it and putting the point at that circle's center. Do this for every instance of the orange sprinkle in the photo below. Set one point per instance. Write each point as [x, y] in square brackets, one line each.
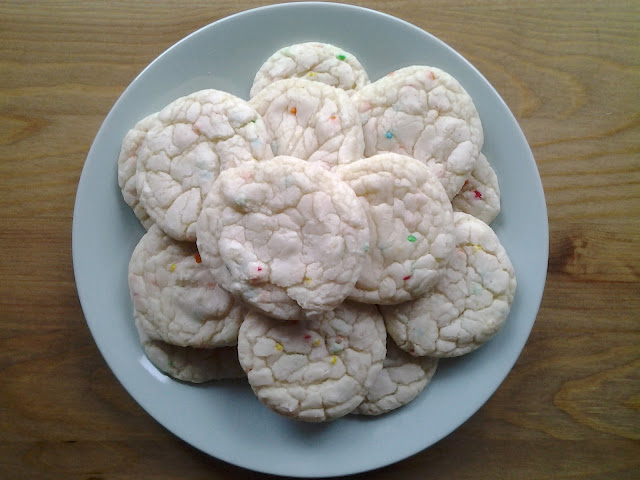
[198, 258]
[333, 117]
[294, 110]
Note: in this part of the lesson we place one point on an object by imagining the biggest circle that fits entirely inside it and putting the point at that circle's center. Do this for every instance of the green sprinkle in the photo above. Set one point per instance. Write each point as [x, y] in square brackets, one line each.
[411, 238]
[253, 121]
[341, 57]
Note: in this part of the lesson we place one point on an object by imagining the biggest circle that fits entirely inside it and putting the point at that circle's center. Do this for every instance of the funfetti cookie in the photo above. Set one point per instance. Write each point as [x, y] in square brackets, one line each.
[317, 369]
[480, 194]
[470, 303]
[199, 135]
[311, 121]
[423, 112]
[188, 364]
[320, 62]
[402, 378]
[127, 163]
[284, 235]
[410, 227]
[175, 297]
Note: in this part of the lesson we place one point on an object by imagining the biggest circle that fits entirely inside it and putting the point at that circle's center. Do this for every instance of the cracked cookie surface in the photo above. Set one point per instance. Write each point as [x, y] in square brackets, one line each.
[285, 235]
[175, 297]
[319, 62]
[316, 369]
[469, 304]
[410, 227]
[198, 136]
[423, 112]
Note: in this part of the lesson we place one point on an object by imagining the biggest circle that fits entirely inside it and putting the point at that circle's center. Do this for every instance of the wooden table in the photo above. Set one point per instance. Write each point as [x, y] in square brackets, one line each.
[570, 72]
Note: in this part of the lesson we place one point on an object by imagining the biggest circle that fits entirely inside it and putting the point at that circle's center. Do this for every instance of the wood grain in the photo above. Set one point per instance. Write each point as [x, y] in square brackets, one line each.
[569, 71]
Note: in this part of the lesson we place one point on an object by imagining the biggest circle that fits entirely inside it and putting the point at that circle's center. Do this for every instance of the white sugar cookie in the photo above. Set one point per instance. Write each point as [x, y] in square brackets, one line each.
[470, 303]
[313, 370]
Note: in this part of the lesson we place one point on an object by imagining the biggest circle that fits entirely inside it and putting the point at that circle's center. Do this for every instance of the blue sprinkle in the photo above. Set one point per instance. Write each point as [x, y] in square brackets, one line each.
[388, 134]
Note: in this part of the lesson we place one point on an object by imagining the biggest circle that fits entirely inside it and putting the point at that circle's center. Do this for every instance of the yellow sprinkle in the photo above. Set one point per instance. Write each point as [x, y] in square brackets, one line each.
[311, 74]
[173, 267]
[316, 343]
[478, 247]
[307, 280]
[278, 347]
[334, 359]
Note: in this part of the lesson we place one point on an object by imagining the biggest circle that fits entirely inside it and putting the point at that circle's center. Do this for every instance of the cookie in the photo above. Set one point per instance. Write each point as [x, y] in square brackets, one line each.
[314, 370]
[470, 303]
[127, 162]
[188, 364]
[402, 378]
[284, 235]
[199, 135]
[410, 227]
[311, 121]
[175, 297]
[480, 194]
[320, 62]
[423, 112]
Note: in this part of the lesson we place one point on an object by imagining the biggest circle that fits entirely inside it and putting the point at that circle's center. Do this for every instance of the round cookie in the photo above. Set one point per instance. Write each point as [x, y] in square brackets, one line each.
[127, 162]
[313, 370]
[188, 364]
[285, 235]
[199, 135]
[480, 194]
[311, 121]
[402, 378]
[470, 303]
[175, 297]
[410, 227]
[320, 62]
[423, 112]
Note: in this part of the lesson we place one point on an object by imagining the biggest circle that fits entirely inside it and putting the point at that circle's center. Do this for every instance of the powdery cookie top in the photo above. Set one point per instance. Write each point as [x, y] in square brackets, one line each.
[480, 194]
[194, 365]
[403, 378]
[315, 61]
[410, 227]
[200, 135]
[311, 121]
[423, 112]
[175, 297]
[316, 370]
[285, 235]
[469, 304]
[127, 162]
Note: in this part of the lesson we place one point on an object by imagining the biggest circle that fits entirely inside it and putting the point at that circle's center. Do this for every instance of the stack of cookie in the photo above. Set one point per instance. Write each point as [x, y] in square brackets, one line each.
[328, 239]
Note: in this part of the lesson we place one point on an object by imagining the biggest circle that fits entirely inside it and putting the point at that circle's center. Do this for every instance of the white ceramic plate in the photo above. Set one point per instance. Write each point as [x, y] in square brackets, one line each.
[225, 419]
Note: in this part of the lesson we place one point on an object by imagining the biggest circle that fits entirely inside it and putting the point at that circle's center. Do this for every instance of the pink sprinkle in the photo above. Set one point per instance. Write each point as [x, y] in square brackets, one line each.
[478, 194]
[307, 337]
[407, 278]
[259, 269]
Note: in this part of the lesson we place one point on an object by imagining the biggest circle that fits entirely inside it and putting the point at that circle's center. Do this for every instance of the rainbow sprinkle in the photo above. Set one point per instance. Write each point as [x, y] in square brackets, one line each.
[173, 267]
[411, 238]
[316, 343]
[294, 110]
[341, 57]
[388, 134]
[278, 347]
[334, 359]
[198, 258]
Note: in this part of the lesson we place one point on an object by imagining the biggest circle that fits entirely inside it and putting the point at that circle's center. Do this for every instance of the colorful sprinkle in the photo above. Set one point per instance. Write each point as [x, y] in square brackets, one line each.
[198, 258]
[412, 351]
[307, 337]
[411, 238]
[388, 134]
[432, 76]
[278, 347]
[334, 359]
[311, 74]
[316, 343]
[479, 247]
[408, 277]
[478, 194]
[466, 182]
[341, 57]
[307, 280]
[173, 267]
[333, 117]
[294, 110]
[253, 121]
